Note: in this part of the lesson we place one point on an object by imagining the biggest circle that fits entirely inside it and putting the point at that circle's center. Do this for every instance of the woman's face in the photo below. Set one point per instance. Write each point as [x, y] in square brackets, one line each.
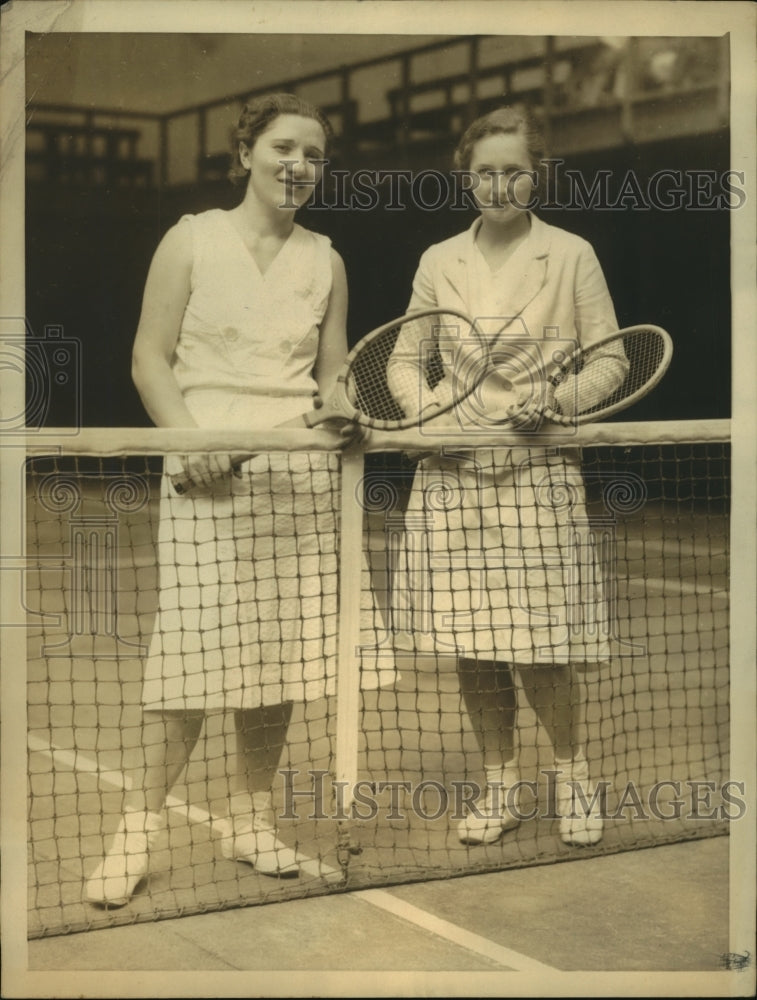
[504, 174]
[283, 161]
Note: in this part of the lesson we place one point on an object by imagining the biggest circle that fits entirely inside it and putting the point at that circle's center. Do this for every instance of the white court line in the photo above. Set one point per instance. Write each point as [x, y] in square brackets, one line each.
[376, 897]
[677, 587]
[76, 761]
[451, 932]
[222, 827]
[197, 816]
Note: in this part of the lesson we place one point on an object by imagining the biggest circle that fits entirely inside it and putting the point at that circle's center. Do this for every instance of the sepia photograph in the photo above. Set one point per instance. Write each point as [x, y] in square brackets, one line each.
[377, 489]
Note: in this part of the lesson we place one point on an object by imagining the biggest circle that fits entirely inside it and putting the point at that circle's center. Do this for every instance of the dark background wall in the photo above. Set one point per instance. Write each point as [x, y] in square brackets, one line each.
[88, 248]
[88, 254]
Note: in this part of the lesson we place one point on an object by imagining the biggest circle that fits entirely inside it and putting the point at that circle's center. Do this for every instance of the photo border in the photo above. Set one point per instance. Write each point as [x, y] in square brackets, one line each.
[456, 17]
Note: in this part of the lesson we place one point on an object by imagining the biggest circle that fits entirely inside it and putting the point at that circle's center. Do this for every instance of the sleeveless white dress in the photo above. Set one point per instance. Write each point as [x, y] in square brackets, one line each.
[247, 601]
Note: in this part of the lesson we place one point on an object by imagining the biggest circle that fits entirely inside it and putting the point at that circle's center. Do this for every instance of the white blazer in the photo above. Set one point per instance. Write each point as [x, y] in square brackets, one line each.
[561, 287]
[552, 289]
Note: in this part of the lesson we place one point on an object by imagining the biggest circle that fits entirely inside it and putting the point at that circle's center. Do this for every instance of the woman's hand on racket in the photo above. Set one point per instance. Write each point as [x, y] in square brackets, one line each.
[345, 432]
[506, 407]
[527, 413]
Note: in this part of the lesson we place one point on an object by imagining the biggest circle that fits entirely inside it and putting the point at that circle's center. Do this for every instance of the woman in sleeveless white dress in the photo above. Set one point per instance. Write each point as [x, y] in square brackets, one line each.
[242, 325]
[247, 604]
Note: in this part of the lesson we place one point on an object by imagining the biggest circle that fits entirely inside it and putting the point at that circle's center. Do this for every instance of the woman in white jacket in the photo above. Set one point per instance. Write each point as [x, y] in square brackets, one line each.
[507, 582]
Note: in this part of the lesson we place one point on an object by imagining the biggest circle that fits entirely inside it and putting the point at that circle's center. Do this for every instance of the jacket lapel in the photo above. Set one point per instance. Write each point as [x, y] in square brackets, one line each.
[520, 288]
[456, 272]
[532, 265]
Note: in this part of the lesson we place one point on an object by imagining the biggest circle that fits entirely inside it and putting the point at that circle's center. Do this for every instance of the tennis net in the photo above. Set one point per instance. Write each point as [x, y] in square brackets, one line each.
[381, 759]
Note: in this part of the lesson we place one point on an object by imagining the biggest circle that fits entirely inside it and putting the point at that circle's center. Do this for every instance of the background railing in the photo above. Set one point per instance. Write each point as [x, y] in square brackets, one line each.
[590, 95]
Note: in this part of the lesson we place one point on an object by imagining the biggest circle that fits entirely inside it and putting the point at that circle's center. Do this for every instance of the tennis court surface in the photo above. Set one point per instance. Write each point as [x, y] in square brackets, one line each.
[657, 716]
[661, 910]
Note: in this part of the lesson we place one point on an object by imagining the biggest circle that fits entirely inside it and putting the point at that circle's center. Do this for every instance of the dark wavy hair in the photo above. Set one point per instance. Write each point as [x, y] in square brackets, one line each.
[258, 115]
[503, 121]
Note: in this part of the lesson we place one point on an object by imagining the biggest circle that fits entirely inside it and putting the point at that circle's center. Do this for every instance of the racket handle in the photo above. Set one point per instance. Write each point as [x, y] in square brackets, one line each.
[181, 485]
[313, 418]
[556, 417]
[316, 417]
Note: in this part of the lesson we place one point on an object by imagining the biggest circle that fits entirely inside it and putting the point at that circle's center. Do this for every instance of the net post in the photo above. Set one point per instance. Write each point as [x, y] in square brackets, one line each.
[348, 665]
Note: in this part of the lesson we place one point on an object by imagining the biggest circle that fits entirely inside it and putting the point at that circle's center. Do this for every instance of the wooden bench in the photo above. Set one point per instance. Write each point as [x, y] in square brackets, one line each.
[74, 153]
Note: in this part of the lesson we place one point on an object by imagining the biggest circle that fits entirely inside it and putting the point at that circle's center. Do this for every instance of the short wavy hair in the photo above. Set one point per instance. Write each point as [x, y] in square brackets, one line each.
[255, 118]
[503, 121]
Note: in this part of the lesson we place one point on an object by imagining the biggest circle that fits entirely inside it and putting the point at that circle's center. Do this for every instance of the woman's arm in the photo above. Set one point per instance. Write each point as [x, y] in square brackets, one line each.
[594, 310]
[595, 318]
[332, 349]
[332, 343]
[405, 371]
[165, 298]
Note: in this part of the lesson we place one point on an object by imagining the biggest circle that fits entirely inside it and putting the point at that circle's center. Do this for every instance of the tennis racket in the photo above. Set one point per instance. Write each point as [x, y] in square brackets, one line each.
[362, 394]
[570, 386]
[425, 364]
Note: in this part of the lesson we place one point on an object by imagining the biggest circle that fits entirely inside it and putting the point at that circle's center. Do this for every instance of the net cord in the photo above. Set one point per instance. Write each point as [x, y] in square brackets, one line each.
[162, 441]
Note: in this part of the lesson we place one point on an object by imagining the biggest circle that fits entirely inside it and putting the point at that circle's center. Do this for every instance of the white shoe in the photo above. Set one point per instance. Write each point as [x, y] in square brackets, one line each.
[127, 862]
[577, 826]
[254, 840]
[492, 818]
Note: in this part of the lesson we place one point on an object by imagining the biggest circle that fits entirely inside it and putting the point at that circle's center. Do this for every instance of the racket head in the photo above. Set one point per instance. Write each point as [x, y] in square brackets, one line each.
[648, 350]
[363, 394]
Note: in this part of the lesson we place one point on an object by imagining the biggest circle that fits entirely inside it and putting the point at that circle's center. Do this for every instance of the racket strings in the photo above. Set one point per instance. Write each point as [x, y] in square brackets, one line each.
[395, 374]
[367, 385]
[424, 365]
[610, 374]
